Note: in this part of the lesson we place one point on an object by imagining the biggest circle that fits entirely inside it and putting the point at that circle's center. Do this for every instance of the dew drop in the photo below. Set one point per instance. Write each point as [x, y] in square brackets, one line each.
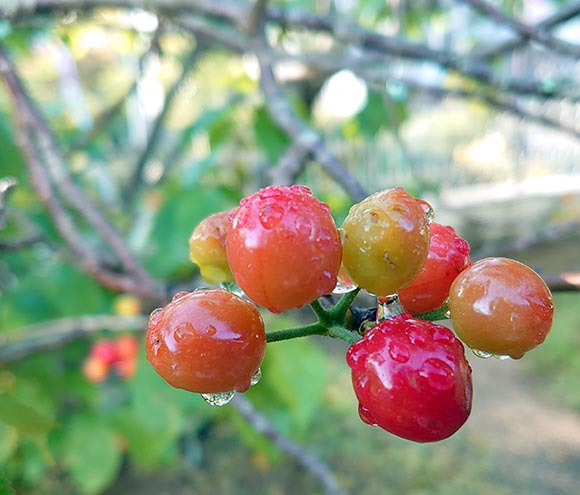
[482, 354]
[325, 241]
[219, 399]
[344, 286]
[155, 316]
[256, 378]
[438, 373]
[428, 209]
[303, 226]
[343, 235]
[210, 330]
[156, 346]
[271, 215]
[179, 295]
[183, 331]
[399, 352]
[502, 357]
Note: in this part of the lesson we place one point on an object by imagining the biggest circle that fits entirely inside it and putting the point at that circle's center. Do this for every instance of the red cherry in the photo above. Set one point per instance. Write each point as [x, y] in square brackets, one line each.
[448, 256]
[412, 379]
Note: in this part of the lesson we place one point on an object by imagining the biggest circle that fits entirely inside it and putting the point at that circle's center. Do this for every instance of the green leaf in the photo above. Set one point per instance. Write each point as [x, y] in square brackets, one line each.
[91, 454]
[294, 377]
[8, 442]
[375, 116]
[25, 417]
[270, 138]
[5, 485]
[183, 210]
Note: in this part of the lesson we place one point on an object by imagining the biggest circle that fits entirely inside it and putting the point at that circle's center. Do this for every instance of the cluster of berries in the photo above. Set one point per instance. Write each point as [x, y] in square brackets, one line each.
[283, 250]
[118, 355]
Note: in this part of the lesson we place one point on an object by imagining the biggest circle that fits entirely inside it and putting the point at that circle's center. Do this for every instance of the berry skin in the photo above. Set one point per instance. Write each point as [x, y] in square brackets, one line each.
[501, 306]
[385, 241]
[207, 341]
[207, 248]
[448, 256]
[283, 247]
[411, 378]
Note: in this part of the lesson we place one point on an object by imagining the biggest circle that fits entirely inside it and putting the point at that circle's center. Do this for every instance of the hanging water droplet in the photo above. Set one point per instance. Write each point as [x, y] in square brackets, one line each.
[211, 330]
[502, 357]
[271, 215]
[233, 288]
[344, 284]
[219, 399]
[389, 306]
[154, 316]
[482, 354]
[256, 378]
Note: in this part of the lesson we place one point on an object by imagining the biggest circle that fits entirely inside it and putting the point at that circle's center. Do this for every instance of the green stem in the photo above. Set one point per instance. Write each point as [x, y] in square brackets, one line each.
[323, 315]
[339, 310]
[344, 334]
[438, 314]
[295, 332]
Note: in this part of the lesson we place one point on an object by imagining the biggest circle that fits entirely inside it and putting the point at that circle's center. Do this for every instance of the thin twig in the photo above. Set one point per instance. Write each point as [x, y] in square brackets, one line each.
[561, 16]
[153, 139]
[304, 457]
[15, 346]
[289, 165]
[47, 155]
[301, 134]
[525, 30]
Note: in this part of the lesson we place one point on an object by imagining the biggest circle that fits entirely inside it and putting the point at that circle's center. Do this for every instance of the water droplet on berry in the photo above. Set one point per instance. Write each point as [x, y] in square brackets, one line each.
[398, 351]
[233, 288]
[210, 330]
[438, 374]
[219, 399]
[179, 295]
[388, 307]
[502, 357]
[443, 335]
[256, 378]
[428, 209]
[271, 215]
[155, 316]
[343, 286]
[325, 240]
[343, 235]
[156, 346]
[183, 331]
[482, 354]
[303, 226]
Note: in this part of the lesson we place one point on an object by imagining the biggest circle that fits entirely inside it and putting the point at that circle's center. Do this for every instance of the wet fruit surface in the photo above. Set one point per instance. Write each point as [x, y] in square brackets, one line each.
[412, 379]
[448, 256]
[207, 248]
[283, 247]
[207, 341]
[500, 306]
[385, 241]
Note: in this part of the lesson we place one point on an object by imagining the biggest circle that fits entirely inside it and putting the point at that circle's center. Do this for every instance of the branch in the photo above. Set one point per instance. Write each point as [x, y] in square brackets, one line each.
[305, 458]
[153, 139]
[53, 334]
[46, 155]
[561, 16]
[302, 135]
[524, 30]
[289, 166]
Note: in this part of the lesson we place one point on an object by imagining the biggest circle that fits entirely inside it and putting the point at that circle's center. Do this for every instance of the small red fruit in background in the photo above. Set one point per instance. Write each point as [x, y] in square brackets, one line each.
[283, 247]
[412, 379]
[207, 341]
[501, 306]
[448, 256]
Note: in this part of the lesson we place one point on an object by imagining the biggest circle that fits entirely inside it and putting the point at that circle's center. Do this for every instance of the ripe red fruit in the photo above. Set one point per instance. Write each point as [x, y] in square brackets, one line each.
[207, 341]
[501, 306]
[412, 379]
[283, 247]
[95, 369]
[207, 248]
[106, 351]
[448, 256]
[385, 241]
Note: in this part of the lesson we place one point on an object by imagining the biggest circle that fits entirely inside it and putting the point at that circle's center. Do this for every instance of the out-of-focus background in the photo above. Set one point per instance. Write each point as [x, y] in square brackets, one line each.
[122, 128]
